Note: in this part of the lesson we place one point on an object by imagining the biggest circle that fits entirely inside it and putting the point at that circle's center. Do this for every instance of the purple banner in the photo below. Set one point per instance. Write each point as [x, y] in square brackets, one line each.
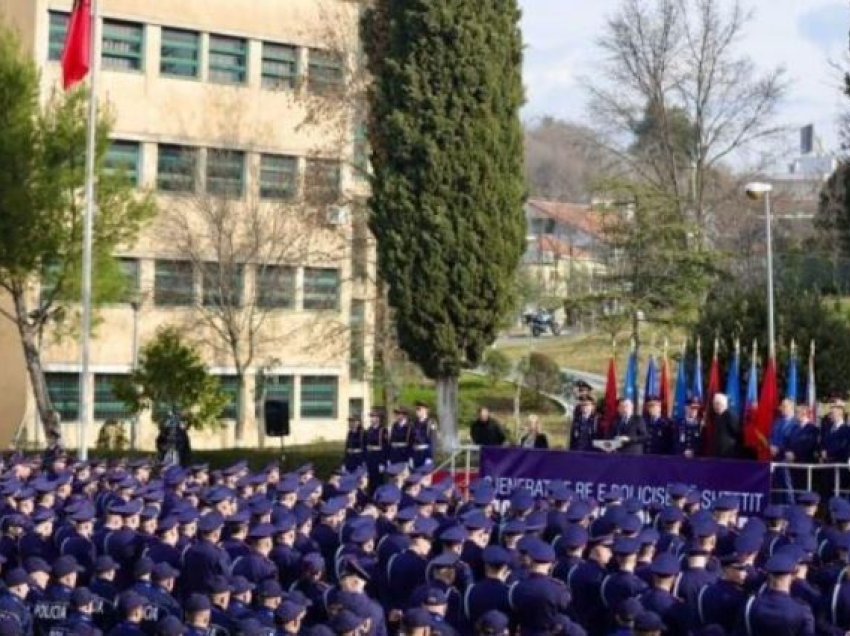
[646, 477]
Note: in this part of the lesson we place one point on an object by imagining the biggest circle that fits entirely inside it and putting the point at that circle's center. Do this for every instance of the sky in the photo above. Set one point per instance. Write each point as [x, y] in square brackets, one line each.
[803, 36]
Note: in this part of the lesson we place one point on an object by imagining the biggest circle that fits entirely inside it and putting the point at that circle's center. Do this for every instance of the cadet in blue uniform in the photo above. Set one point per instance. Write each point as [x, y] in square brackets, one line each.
[775, 611]
[80, 620]
[688, 434]
[584, 427]
[131, 610]
[355, 445]
[400, 433]
[13, 600]
[722, 602]
[491, 592]
[422, 437]
[407, 570]
[220, 621]
[377, 449]
[622, 583]
[257, 566]
[585, 580]
[539, 603]
[198, 614]
[658, 428]
[659, 599]
[53, 608]
[205, 558]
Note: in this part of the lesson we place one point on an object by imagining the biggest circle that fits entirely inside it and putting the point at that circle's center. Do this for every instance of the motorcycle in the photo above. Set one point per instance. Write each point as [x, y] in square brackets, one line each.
[541, 321]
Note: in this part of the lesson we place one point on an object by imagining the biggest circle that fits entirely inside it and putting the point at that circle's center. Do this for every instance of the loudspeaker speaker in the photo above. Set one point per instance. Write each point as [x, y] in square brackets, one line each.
[276, 414]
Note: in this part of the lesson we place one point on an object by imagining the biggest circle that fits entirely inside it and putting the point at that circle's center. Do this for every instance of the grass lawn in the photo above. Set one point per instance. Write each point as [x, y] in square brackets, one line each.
[591, 352]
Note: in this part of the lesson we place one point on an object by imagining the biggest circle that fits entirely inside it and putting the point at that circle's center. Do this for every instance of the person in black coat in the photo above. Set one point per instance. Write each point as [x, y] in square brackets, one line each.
[631, 427]
[486, 430]
[728, 430]
[533, 437]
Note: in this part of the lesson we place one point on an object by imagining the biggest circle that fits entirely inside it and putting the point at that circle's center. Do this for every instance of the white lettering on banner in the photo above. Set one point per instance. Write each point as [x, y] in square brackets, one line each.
[750, 502]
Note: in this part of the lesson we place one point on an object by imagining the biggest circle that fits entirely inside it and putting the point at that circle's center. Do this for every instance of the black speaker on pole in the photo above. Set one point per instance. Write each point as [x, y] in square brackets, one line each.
[276, 414]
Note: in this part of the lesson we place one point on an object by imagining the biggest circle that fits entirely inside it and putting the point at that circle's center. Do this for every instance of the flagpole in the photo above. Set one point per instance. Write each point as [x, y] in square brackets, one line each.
[87, 386]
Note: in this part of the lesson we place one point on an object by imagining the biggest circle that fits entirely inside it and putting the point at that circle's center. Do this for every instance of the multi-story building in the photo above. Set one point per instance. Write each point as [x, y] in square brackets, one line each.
[250, 101]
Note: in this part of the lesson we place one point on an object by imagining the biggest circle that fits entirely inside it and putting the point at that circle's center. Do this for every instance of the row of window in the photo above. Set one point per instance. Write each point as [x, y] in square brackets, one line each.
[319, 395]
[181, 54]
[178, 171]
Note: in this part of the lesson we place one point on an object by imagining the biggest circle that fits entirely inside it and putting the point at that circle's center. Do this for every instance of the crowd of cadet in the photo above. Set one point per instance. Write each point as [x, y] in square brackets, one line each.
[128, 549]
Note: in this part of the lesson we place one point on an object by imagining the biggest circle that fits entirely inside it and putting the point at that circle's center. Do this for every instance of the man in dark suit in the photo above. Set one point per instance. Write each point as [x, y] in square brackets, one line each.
[631, 427]
[730, 437]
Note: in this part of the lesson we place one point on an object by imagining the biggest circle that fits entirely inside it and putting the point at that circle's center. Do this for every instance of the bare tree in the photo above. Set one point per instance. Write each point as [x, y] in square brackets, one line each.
[676, 98]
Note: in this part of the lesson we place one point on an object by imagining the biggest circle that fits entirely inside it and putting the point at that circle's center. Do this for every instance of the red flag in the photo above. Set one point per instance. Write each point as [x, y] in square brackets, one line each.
[76, 57]
[709, 442]
[610, 415]
[666, 401]
[766, 413]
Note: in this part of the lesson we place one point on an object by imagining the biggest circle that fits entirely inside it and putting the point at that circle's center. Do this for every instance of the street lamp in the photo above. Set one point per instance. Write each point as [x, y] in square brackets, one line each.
[758, 191]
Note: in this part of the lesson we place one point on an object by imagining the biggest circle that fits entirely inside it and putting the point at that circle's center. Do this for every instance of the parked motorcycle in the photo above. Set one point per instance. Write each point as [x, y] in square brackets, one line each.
[541, 321]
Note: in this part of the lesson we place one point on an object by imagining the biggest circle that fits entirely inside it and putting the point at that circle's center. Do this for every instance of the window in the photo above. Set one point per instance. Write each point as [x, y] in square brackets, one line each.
[230, 388]
[180, 54]
[130, 269]
[279, 387]
[176, 168]
[276, 287]
[318, 397]
[278, 177]
[322, 181]
[361, 153]
[280, 66]
[64, 392]
[325, 72]
[174, 283]
[225, 172]
[106, 405]
[359, 248]
[357, 353]
[58, 34]
[228, 60]
[123, 157]
[123, 46]
[222, 285]
[321, 288]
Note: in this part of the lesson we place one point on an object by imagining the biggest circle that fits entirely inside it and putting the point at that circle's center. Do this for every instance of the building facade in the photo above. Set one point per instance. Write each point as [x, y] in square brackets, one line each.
[248, 104]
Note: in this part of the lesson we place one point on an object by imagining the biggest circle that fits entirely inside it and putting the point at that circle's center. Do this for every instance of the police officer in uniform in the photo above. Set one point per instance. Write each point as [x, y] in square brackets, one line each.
[377, 449]
[722, 602]
[658, 428]
[355, 445]
[491, 592]
[80, 620]
[131, 609]
[775, 611]
[400, 433]
[584, 428]
[13, 600]
[422, 437]
[688, 433]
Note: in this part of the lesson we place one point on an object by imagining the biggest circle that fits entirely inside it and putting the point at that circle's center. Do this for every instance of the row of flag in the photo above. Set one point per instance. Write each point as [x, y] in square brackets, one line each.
[757, 410]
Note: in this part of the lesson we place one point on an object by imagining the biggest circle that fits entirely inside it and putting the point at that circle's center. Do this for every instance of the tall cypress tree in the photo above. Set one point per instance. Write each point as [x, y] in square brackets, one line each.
[448, 186]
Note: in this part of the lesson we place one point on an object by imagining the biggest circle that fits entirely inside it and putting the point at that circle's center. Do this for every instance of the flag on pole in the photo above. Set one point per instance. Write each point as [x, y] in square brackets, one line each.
[709, 437]
[811, 388]
[766, 412]
[664, 385]
[610, 415]
[733, 382]
[653, 382]
[751, 403]
[792, 388]
[681, 399]
[76, 56]
[697, 390]
[630, 384]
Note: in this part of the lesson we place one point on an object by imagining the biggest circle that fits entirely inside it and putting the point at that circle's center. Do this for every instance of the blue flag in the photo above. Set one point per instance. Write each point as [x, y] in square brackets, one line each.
[681, 403]
[792, 382]
[697, 389]
[630, 385]
[653, 380]
[733, 384]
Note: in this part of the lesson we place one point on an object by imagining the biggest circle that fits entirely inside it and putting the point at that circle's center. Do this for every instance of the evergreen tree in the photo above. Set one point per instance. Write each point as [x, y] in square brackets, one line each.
[448, 187]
